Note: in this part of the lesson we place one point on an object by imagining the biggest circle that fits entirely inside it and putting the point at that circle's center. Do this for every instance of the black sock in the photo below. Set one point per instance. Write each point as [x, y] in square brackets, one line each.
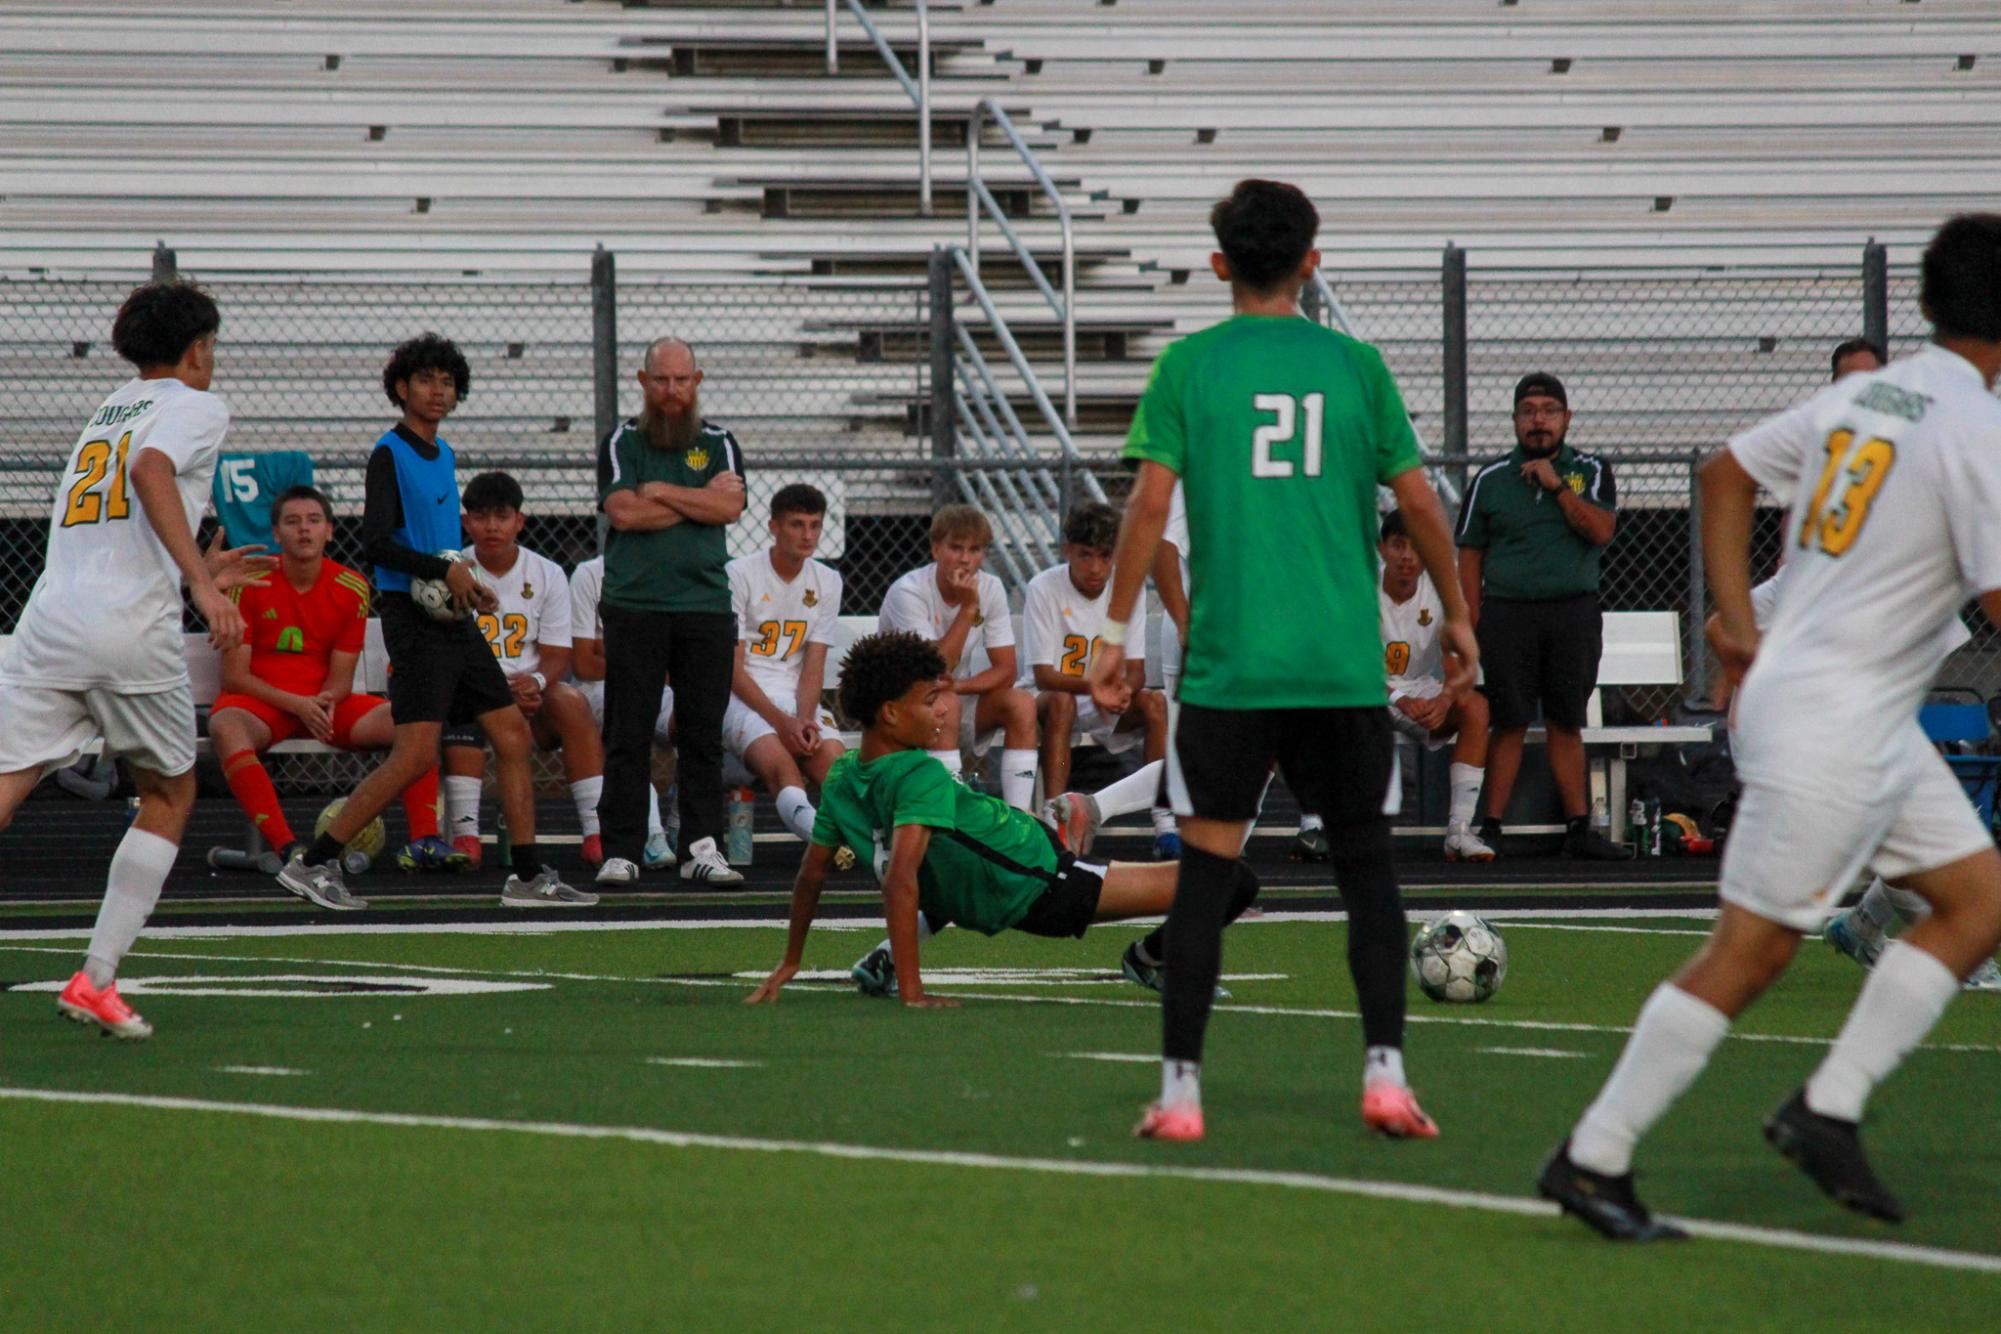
[1577, 825]
[1153, 945]
[1490, 826]
[1378, 936]
[325, 851]
[527, 863]
[1193, 950]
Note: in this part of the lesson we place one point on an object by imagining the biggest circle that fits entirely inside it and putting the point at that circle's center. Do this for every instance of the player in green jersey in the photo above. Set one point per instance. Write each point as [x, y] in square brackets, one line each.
[959, 855]
[1280, 433]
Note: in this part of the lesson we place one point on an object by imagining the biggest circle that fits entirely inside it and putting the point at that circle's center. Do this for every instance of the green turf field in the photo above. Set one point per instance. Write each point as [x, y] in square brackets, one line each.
[587, 1127]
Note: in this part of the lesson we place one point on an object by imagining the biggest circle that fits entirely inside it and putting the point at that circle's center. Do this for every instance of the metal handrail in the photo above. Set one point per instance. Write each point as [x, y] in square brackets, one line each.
[918, 90]
[979, 199]
[1319, 297]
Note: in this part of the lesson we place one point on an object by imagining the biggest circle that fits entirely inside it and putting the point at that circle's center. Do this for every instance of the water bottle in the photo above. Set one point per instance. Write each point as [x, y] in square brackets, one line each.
[355, 862]
[1654, 829]
[1636, 826]
[737, 841]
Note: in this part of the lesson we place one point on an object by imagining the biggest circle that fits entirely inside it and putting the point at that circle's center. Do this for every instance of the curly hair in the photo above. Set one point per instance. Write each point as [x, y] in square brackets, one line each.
[1093, 525]
[880, 667]
[159, 321]
[426, 352]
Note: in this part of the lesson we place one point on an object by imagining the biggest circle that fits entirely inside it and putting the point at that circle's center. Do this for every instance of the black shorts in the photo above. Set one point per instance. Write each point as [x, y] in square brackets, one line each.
[468, 734]
[1540, 655]
[1070, 904]
[1337, 762]
[439, 671]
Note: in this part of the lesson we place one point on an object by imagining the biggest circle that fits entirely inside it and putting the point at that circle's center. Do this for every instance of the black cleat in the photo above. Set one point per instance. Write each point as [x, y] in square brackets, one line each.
[1490, 834]
[1587, 844]
[1830, 1151]
[1607, 1205]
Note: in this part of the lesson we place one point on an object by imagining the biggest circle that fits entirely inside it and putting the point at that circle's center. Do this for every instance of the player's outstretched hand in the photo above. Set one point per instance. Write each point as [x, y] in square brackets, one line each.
[232, 566]
[1110, 690]
[1462, 655]
[767, 990]
[225, 622]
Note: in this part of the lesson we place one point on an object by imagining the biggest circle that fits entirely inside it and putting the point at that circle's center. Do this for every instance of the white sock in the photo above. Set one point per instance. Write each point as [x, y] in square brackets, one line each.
[924, 930]
[949, 758]
[653, 826]
[1466, 780]
[1018, 778]
[1383, 1065]
[1906, 993]
[1137, 791]
[1874, 911]
[1308, 820]
[797, 812]
[138, 869]
[1163, 820]
[461, 807]
[1908, 904]
[1671, 1042]
[1180, 1083]
[585, 792]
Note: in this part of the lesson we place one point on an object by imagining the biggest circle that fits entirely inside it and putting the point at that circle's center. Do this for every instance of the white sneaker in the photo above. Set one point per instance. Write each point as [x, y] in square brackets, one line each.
[1986, 977]
[705, 863]
[1463, 845]
[659, 852]
[617, 871]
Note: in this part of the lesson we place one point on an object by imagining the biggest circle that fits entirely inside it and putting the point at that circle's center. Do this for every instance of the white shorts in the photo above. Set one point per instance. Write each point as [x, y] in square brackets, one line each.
[1103, 730]
[1792, 851]
[48, 729]
[1408, 726]
[1170, 657]
[969, 744]
[743, 727]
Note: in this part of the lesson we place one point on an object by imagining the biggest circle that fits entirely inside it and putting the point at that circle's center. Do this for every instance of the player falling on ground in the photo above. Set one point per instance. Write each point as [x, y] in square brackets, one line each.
[587, 675]
[788, 607]
[529, 634]
[294, 672]
[937, 846]
[98, 649]
[440, 672]
[1280, 431]
[1893, 480]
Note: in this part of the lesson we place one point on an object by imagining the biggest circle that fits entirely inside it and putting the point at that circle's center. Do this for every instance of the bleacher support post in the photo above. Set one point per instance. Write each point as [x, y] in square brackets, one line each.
[1452, 280]
[1698, 583]
[1876, 293]
[604, 352]
[944, 416]
[166, 265]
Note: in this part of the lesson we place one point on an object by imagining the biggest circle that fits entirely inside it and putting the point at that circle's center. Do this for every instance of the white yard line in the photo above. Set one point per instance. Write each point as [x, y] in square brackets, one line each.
[704, 1062]
[1402, 1192]
[1556, 1053]
[1135, 1057]
[260, 1070]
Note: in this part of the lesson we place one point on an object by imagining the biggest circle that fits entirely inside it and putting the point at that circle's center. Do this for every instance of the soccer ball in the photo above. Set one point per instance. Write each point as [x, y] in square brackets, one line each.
[1459, 958]
[435, 595]
[374, 835]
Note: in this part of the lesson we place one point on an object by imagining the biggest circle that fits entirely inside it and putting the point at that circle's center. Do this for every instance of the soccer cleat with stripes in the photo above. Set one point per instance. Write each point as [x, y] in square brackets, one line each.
[1181, 1123]
[1607, 1205]
[1391, 1109]
[705, 865]
[1076, 817]
[618, 871]
[83, 1003]
[431, 853]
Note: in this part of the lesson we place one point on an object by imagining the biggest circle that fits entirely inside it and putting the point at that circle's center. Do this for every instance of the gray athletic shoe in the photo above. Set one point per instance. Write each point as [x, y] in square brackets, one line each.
[320, 885]
[546, 890]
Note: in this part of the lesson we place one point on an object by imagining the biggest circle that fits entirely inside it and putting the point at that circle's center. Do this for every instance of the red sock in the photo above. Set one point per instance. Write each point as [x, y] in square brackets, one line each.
[420, 805]
[251, 784]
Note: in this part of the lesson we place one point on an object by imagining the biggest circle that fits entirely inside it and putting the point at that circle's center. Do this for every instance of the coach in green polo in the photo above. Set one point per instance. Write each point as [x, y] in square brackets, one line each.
[1531, 529]
[669, 482]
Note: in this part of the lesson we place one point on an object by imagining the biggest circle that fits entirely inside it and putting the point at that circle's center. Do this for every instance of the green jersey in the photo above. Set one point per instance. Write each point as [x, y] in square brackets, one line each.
[987, 861]
[680, 567]
[1280, 431]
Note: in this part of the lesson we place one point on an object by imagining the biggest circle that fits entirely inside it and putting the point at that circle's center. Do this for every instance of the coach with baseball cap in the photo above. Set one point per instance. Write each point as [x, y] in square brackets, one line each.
[1531, 530]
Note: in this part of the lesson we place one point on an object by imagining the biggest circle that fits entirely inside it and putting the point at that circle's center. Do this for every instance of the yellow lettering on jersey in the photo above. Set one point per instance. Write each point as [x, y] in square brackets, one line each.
[1396, 657]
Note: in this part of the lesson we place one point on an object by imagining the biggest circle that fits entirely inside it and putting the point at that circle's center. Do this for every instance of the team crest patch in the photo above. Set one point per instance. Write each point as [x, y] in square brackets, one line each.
[527, 589]
[1576, 481]
[698, 458]
[979, 618]
[270, 613]
[1424, 616]
[810, 598]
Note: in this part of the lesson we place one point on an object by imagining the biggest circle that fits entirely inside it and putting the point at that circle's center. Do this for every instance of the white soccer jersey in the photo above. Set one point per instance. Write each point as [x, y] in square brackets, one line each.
[106, 611]
[776, 620]
[914, 604]
[1765, 600]
[1177, 529]
[586, 589]
[1892, 482]
[1412, 660]
[534, 610]
[1061, 628]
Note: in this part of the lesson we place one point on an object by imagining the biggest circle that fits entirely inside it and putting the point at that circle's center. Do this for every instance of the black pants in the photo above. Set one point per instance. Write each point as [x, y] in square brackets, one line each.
[643, 650]
[1540, 654]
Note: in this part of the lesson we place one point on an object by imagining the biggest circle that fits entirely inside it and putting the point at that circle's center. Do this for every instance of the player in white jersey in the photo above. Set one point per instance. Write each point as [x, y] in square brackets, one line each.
[98, 649]
[1062, 623]
[1420, 705]
[529, 632]
[587, 675]
[788, 607]
[1893, 483]
[963, 610]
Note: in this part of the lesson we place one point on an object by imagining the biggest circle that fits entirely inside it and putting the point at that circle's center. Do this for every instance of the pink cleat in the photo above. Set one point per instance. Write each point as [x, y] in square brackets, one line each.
[85, 1004]
[1181, 1122]
[1392, 1110]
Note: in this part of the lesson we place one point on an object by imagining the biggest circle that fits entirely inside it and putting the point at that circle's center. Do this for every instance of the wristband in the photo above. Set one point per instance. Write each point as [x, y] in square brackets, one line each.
[1113, 634]
[541, 681]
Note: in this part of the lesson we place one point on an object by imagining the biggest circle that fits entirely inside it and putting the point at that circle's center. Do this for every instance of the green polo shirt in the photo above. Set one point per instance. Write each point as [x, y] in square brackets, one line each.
[679, 568]
[1531, 551]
